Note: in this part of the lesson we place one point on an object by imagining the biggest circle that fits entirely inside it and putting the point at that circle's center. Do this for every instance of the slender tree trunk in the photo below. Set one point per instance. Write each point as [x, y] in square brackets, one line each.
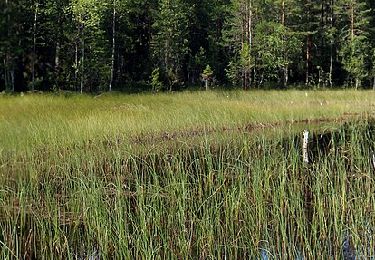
[309, 42]
[7, 70]
[34, 47]
[285, 66]
[57, 56]
[82, 62]
[6, 81]
[357, 80]
[357, 83]
[250, 24]
[166, 62]
[76, 66]
[308, 45]
[113, 45]
[57, 63]
[283, 13]
[5, 56]
[331, 47]
[243, 14]
[373, 83]
[57, 51]
[331, 66]
[12, 79]
[246, 40]
[351, 22]
[308, 57]
[246, 37]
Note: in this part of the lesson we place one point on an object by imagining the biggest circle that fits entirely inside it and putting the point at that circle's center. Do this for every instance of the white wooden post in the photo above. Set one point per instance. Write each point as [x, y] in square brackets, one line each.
[305, 146]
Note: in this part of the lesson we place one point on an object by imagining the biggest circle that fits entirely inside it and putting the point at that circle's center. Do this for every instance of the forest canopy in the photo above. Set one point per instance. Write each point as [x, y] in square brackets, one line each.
[103, 45]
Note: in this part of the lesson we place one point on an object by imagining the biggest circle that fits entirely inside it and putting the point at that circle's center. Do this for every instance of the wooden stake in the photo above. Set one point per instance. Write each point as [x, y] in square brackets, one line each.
[305, 146]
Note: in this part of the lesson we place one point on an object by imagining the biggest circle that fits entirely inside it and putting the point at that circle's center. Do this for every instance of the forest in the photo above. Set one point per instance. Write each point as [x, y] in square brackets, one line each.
[167, 45]
[108, 151]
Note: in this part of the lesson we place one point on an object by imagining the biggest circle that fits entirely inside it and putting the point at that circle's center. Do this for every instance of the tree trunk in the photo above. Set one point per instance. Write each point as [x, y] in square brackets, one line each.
[82, 62]
[308, 58]
[250, 24]
[243, 15]
[113, 45]
[6, 81]
[286, 75]
[331, 47]
[373, 83]
[7, 60]
[285, 66]
[331, 66]
[283, 12]
[206, 81]
[34, 47]
[351, 21]
[246, 39]
[12, 79]
[57, 64]
[76, 67]
[357, 83]
[308, 44]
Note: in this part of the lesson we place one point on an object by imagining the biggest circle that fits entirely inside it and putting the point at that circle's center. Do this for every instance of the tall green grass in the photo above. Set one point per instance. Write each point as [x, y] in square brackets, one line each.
[234, 199]
[40, 120]
[74, 184]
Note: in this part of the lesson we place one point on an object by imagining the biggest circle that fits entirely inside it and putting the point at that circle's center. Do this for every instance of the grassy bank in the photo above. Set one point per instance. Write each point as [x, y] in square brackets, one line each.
[74, 185]
[57, 120]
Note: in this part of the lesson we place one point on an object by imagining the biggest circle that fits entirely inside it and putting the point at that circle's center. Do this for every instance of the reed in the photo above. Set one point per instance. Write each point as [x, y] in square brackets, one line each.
[93, 192]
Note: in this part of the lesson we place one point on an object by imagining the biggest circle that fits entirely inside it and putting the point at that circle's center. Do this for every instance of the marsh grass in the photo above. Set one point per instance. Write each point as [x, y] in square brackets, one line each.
[236, 195]
[58, 120]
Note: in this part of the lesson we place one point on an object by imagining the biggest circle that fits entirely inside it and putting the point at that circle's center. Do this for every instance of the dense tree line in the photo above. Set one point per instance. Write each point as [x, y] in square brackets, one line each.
[98, 45]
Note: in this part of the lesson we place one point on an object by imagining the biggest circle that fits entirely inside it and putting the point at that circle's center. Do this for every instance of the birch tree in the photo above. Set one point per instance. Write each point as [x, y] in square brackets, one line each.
[114, 8]
[34, 54]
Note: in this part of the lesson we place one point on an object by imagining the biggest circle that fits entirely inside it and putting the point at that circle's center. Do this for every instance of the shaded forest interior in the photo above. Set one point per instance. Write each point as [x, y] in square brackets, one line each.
[100, 45]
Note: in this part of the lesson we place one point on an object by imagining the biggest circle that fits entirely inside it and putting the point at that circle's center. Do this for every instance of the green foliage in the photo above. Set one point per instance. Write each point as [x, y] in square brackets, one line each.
[373, 62]
[246, 59]
[171, 38]
[354, 38]
[245, 41]
[156, 84]
[353, 54]
[275, 47]
[233, 72]
[197, 63]
[94, 64]
[207, 73]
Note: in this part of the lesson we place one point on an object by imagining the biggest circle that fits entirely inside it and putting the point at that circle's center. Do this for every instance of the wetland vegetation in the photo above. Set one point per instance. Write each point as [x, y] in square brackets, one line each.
[187, 175]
